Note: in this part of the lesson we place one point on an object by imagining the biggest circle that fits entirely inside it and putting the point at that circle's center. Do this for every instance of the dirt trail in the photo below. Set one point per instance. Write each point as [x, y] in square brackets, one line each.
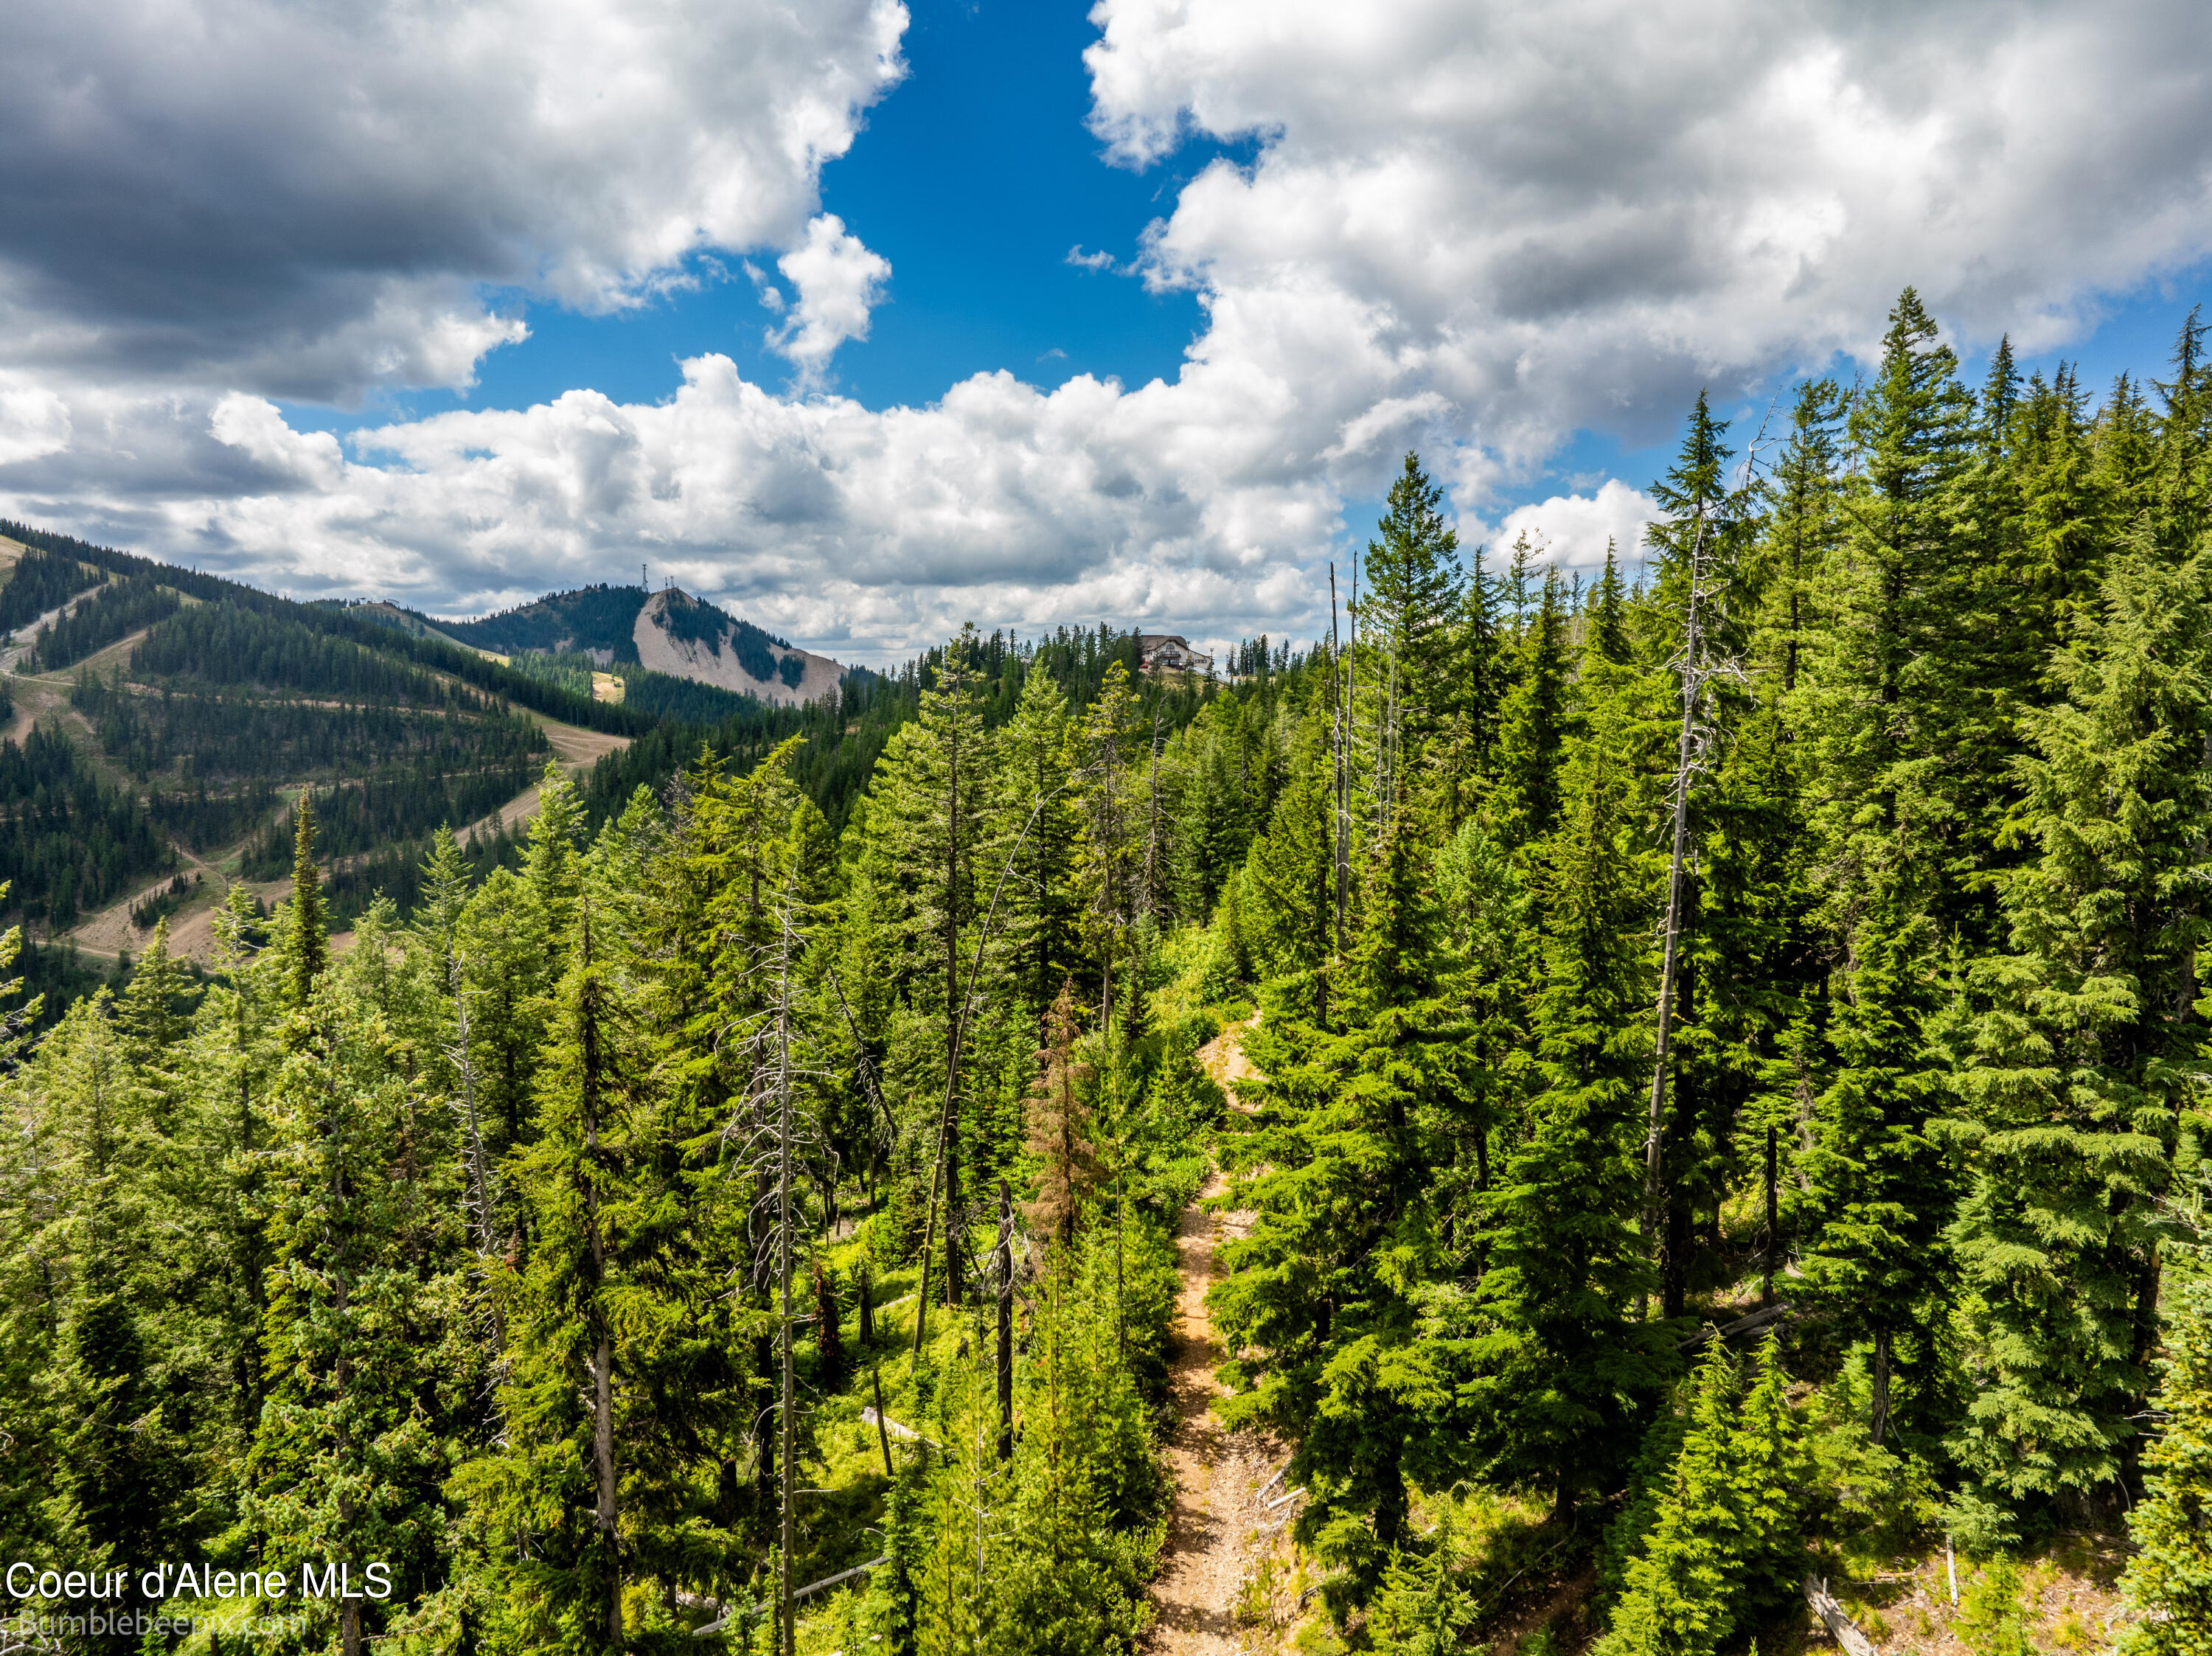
[1217, 1473]
[1222, 1058]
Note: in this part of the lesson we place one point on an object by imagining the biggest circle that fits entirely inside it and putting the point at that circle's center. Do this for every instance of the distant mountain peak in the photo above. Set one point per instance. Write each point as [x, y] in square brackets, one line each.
[669, 630]
[676, 633]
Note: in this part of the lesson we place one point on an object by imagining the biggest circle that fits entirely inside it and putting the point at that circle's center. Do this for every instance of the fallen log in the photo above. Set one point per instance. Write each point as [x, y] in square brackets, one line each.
[870, 1418]
[1757, 1320]
[764, 1607]
[1840, 1626]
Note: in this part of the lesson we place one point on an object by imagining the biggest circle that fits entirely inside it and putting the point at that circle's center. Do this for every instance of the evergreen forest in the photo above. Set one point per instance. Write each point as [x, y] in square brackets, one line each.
[1695, 1075]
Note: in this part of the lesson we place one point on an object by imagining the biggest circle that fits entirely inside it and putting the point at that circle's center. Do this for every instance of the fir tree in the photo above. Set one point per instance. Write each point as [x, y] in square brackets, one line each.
[341, 1458]
[1535, 720]
[1878, 1181]
[305, 944]
[1032, 808]
[1290, 868]
[1412, 592]
[1420, 1610]
[2084, 1059]
[445, 881]
[154, 1013]
[1802, 523]
[563, 1472]
[1563, 1374]
[1723, 1539]
[2168, 1582]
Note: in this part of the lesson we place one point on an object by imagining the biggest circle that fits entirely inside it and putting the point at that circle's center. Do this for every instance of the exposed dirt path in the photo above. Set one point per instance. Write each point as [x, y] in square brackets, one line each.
[1222, 1058]
[576, 747]
[25, 720]
[1217, 1473]
[521, 809]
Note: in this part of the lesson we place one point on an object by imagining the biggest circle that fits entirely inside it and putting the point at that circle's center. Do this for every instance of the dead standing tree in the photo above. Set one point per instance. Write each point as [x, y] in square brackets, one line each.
[778, 1144]
[1703, 665]
[960, 1030]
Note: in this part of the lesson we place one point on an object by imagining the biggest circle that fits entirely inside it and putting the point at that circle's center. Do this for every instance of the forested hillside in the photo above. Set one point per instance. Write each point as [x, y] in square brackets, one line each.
[1720, 1102]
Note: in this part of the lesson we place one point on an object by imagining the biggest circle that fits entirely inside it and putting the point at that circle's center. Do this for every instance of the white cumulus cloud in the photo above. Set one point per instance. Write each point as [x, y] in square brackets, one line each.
[1472, 230]
[34, 422]
[1572, 531]
[839, 281]
[311, 201]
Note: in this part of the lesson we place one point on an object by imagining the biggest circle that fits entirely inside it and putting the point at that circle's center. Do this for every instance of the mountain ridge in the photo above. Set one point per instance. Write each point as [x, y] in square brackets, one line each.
[669, 630]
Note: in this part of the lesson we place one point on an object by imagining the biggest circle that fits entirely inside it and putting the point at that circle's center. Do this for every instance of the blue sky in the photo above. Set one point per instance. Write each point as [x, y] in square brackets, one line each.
[259, 306]
[975, 178]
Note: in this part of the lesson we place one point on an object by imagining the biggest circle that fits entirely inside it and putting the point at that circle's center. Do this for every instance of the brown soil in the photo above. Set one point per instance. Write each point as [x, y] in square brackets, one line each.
[1217, 1473]
[577, 746]
[1222, 1058]
[1215, 1536]
[521, 809]
[19, 726]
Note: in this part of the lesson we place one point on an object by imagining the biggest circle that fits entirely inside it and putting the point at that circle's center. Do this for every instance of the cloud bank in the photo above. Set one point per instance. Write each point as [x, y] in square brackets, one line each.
[1472, 230]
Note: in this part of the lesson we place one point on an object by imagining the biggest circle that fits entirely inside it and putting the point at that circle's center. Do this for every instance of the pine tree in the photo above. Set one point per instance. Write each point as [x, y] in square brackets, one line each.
[2084, 1059]
[1879, 1183]
[2168, 1582]
[1723, 1539]
[1563, 1375]
[304, 943]
[1535, 726]
[341, 1457]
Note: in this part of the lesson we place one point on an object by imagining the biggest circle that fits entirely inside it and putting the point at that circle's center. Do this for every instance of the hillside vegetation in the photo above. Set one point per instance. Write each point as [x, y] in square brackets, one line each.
[1720, 1055]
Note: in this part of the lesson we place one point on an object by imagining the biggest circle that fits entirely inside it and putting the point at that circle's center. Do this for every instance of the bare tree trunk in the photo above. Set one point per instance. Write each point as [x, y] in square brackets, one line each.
[479, 1174]
[1340, 784]
[883, 1432]
[949, 1149]
[1152, 831]
[1350, 747]
[1878, 1421]
[1655, 1132]
[606, 1517]
[350, 1634]
[975, 970]
[1006, 1268]
[785, 1624]
[1773, 1220]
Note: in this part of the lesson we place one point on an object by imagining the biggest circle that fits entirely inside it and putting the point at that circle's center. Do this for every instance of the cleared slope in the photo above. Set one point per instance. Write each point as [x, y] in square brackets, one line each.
[672, 636]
